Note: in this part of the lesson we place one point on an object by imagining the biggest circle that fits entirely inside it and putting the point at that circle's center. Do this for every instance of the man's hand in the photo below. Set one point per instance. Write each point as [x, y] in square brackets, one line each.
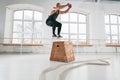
[69, 5]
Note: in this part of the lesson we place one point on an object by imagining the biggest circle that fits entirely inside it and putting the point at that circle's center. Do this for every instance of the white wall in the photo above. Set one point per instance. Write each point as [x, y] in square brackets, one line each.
[96, 18]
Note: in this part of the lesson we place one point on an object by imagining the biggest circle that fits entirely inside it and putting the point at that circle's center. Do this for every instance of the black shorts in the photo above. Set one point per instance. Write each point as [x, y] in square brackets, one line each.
[53, 23]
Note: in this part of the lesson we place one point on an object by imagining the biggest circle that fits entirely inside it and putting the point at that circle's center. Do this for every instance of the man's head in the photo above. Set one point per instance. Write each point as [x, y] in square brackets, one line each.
[57, 4]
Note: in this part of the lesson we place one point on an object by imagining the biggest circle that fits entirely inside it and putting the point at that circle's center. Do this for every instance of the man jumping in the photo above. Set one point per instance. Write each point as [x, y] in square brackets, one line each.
[51, 20]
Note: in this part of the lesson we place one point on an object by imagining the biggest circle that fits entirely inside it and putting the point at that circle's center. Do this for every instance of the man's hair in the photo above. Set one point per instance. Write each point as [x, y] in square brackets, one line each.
[57, 4]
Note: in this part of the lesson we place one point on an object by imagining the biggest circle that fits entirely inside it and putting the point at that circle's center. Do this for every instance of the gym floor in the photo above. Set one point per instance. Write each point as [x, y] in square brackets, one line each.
[39, 67]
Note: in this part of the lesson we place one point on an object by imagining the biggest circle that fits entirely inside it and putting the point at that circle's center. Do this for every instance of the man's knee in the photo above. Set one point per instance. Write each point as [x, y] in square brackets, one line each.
[60, 25]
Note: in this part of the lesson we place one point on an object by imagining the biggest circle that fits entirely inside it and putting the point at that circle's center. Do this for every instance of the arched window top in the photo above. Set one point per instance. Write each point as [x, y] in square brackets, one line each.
[24, 6]
[28, 14]
[23, 23]
[74, 17]
[75, 27]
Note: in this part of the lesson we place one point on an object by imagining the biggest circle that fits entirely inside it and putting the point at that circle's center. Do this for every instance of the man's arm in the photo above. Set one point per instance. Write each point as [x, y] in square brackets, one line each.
[62, 6]
[63, 12]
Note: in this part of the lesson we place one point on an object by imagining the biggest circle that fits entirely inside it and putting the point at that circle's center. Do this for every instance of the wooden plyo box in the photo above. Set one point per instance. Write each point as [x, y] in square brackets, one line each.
[62, 51]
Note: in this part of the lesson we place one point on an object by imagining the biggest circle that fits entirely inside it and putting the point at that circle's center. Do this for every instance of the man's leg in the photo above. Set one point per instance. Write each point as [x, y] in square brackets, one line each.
[53, 31]
[59, 25]
[59, 29]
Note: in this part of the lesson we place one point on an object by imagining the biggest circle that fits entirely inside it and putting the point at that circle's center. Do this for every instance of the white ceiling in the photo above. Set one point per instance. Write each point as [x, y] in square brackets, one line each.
[96, 0]
[106, 1]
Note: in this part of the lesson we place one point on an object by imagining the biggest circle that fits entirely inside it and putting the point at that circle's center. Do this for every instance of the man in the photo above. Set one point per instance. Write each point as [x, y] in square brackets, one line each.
[51, 20]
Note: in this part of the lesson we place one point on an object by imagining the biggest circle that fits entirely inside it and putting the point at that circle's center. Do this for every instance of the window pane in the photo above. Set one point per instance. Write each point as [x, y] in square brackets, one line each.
[37, 36]
[82, 18]
[37, 15]
[36, 41]
[74, 41]
[28, 15]
[17, 41]
[17, 38]
[37, 27]
[18, 14]
[82, 38]
[107, 19]
[17, 26]
[28, 27]
[107, 29]
[64, 17]
[73, 36]
[17, 35]
[65, 36]
[119, 40]
[73, 28]
[64, 28]
[113, 19]
[27, 38]
[119, 19]
[108, 39]
[114, 39]
[114, 29]
[82, 28]
[119, 30]
[73, 17]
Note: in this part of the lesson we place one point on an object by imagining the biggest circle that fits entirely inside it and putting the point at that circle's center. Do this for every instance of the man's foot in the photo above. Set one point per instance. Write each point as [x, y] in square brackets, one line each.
[54, 35]
[59, 36]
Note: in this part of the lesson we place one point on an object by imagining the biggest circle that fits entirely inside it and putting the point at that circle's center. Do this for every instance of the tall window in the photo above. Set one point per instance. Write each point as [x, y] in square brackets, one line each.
[74, 27]
[27, 26]
[112, 28]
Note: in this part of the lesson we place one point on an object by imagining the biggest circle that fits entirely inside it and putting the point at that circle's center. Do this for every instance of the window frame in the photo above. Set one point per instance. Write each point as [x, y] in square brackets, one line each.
[110, 35]
[78, 33]
[9, 19]
[23, 21]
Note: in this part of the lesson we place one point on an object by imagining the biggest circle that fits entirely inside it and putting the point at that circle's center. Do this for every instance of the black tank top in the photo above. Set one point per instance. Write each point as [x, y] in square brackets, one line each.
[53, 16]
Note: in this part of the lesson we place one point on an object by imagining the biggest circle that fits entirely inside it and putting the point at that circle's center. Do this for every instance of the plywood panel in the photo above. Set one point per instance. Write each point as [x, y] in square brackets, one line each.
[62, 51]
